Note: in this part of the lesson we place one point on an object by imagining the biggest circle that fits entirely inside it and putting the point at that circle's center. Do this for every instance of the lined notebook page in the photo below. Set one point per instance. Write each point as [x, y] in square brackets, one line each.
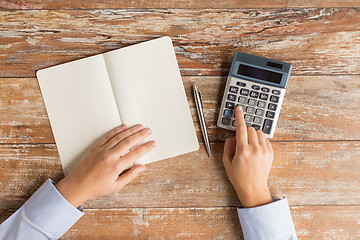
[80, 104]
[148, 89]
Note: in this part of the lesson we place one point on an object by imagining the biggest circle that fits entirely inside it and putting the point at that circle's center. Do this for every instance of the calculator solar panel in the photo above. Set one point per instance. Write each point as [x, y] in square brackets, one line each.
[258, 85]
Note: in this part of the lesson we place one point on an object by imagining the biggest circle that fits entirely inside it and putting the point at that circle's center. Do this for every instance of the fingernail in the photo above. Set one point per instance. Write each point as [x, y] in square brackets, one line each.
[153, 143]
[148, 130]
[140, 126]
[239, 108]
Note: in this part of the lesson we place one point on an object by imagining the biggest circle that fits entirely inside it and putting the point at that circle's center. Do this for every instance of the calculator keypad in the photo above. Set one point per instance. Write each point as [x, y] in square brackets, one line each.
[272, 106]
[244, 92]
[250, 110]
[252, 102]
[242, 100]
[230, 105]
[259, 104]
[226, 121]
[254, 94]
[231, 97]
[228, 113]
[233, 89]
[264, 96]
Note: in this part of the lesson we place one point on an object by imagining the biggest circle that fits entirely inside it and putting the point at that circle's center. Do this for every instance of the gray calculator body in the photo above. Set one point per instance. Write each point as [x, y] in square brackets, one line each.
[258, 85]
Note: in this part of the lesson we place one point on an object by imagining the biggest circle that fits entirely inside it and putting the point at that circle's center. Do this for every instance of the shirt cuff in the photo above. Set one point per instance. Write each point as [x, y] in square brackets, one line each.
[270, 221]
[50, 212]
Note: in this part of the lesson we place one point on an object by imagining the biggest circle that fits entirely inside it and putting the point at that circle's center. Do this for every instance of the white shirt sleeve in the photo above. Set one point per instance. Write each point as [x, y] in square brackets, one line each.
[45, 215]
[268, 222]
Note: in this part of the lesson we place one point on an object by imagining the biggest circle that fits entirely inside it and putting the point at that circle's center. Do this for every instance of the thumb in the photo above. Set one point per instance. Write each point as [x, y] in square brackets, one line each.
[129, 176]
[229, 151]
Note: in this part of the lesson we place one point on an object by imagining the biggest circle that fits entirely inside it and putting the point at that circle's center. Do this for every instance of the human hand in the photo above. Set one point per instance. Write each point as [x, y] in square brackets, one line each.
[98, 171]
[247, 159]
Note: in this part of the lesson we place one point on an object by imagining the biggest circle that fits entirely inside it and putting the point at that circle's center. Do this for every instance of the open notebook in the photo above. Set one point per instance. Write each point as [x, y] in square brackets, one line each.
[137, 84]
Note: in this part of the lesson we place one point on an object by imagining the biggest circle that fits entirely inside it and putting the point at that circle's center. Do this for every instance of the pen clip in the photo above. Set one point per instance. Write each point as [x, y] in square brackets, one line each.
[202, 106]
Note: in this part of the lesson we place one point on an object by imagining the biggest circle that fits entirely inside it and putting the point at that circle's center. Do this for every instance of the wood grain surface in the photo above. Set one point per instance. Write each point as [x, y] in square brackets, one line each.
[316, 143]
[311, 222]
[314, 40]
[312, 173]
[315, 108]
[94, 4]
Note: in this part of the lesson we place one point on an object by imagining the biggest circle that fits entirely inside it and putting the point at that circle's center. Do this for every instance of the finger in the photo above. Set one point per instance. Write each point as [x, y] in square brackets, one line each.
[261, 138]
[268, 144]
[121, 136]
[135, 154]
[229, 151]
[111, 134]
[129, 176]
[241, 133]
[252, 136]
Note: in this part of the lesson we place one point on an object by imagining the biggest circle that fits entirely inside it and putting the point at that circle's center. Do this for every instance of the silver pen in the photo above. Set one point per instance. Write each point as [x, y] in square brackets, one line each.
[200, 111]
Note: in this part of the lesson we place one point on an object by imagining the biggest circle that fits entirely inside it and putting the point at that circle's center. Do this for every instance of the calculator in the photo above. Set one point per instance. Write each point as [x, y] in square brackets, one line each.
[258, 85]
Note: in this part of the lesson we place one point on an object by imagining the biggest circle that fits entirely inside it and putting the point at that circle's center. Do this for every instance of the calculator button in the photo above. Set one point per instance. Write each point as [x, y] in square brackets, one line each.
[243, 107]
[226, 121]
[274, 99]
[272, 106]
[260, 112]
[244, 92]
[265, 89]
[248, 118]
[263, 96]
[230, 105]
[250, 110]
[254, 94]
[233, 89]
[267, 126]
[255, 87]
[257, 120]
[228, 113]
[261, 104]
[270, 114]
[248, 124]
[234, 123]
[242, 100]
[276, 92]
[241, 84]
[257, 127]
[252, 102]
[231, 97]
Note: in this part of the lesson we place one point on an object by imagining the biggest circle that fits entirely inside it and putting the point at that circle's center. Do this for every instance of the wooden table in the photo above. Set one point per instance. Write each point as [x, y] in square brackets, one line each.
[316, 143]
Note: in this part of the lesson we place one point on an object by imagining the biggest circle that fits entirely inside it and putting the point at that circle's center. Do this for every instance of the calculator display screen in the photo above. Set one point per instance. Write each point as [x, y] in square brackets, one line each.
[258, 73]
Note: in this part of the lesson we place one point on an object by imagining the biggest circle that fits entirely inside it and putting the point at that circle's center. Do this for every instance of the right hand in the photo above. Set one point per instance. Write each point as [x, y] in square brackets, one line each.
[98, 171]
[247, 159]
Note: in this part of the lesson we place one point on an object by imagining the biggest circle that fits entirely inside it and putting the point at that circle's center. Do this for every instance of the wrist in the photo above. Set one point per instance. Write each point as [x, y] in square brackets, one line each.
[254, 196]
[70, 192]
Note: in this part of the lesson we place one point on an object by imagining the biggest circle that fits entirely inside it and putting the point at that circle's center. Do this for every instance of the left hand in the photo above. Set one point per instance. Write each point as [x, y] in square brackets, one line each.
[98, 171]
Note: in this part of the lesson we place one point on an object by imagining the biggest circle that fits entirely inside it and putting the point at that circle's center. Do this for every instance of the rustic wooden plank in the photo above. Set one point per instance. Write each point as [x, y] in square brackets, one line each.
[307, 172]
[311, 222]
[94, 4]
[315, 40]
[213, 223]
[315, 108]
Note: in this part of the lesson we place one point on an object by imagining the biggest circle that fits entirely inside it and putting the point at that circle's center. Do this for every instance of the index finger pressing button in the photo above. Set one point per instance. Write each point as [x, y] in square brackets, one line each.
[241, 132]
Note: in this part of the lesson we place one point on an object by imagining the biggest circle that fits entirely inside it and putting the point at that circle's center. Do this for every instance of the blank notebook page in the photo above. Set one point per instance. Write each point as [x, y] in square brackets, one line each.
[80, 105]
[148, 89]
